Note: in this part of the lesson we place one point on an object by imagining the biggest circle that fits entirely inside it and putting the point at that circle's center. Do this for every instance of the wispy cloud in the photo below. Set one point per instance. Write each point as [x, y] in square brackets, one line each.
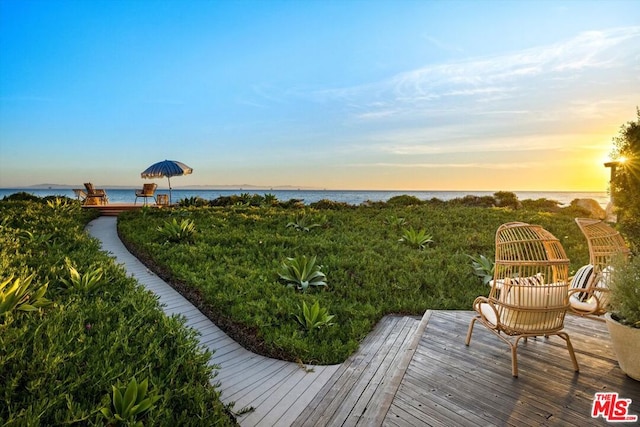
[436, 165]
[441, 45]
[488, 78]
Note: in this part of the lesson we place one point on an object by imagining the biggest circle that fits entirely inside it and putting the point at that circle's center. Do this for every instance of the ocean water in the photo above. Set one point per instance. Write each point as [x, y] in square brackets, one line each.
[352, 197]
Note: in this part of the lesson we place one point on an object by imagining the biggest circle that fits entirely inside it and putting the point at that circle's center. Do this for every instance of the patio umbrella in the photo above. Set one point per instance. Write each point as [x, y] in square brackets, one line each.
[166, 168]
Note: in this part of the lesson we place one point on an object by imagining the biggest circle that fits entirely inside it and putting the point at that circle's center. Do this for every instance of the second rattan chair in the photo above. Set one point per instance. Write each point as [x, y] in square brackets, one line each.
[529, 292]
[589, 292]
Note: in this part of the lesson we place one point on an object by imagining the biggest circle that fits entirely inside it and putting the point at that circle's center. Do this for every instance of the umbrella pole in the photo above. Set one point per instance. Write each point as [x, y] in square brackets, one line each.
[169, 179]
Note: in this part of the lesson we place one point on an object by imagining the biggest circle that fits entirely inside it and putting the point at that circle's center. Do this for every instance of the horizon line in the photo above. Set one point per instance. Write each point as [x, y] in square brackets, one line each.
[285, 188]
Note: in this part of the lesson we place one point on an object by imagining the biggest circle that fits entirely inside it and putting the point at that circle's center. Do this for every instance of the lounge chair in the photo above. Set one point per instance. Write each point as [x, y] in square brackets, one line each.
[148, 190]
[80, 194]
[95, 196]
[589, 290]
[529, 292]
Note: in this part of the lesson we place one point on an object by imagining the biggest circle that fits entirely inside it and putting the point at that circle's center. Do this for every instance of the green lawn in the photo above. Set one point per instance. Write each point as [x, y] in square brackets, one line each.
[230, 266]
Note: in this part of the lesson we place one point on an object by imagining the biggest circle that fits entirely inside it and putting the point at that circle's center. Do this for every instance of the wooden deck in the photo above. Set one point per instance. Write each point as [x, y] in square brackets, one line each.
[114, 209]
[362, 389]
[408, 371]
[448, 384]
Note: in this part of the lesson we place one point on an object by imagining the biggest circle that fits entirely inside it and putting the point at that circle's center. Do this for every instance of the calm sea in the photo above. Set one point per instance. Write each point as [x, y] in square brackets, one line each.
[309, 196]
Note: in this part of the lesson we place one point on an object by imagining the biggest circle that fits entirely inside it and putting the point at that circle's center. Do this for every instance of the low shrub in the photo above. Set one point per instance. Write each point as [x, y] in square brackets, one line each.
[404, 200]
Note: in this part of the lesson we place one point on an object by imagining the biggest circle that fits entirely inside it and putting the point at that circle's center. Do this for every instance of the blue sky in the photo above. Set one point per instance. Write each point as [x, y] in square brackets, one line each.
[398, 95]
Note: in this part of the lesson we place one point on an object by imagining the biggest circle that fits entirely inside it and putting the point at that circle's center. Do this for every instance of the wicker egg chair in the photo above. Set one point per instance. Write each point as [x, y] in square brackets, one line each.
[589, 289]
[529, 292]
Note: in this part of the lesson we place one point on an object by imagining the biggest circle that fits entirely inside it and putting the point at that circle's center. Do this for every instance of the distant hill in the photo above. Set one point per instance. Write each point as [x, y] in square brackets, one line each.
[187, 187]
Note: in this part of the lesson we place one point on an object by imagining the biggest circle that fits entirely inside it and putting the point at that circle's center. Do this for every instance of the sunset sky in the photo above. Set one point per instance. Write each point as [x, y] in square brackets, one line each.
[391, 95]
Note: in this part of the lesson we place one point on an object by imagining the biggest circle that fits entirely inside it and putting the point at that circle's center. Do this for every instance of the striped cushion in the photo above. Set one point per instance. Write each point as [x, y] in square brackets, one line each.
[530, 281]
[581, 281]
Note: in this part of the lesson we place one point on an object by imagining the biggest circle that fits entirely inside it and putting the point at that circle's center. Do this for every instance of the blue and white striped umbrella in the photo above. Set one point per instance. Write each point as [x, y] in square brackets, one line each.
[166, 168]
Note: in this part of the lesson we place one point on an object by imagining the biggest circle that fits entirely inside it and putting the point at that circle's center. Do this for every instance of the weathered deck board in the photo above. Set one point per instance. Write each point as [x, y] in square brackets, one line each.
[355, 394]
[448, 383]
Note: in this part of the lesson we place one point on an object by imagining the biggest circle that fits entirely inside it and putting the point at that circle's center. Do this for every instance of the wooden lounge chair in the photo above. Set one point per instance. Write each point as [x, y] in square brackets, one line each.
[529, 292]
[148, 190]
[95, 196]
[80, 194]
[589, 290]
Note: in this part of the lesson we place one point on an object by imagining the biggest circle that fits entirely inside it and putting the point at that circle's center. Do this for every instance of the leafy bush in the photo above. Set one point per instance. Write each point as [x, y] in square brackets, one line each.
[329, 204]
[506, 199]
[545, 205]
[625, 291]
[21, 196]
[474, 201]
[483, 268]
[404, 200]
[193, 202]
[625, 186]
[21, 294]
[58, 365]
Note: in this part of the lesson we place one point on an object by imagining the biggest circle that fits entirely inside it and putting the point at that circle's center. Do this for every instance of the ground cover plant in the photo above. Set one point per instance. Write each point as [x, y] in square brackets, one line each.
[233, 267]
[74, 329]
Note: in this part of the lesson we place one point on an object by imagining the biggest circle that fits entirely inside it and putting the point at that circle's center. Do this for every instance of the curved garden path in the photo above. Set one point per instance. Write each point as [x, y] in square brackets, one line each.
[280, 391]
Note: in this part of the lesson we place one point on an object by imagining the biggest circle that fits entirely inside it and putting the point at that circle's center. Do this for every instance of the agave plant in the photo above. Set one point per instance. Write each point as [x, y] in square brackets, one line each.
[175, 231]
[21, 294]
[483, 268]
[314, 317]
[270, 199]
[419, 239]
[129, 403]
[63, 205]
[302, 223]
[302, 272]
[87, 282]
[395, 221]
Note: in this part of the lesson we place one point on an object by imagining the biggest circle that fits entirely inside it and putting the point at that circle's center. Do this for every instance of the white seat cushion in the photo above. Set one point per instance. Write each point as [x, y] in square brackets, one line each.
[588, 306]
[534, 297]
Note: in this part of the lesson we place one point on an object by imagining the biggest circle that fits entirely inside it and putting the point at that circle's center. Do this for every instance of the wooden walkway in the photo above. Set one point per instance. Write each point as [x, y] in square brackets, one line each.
[278, 391]
[408, 371]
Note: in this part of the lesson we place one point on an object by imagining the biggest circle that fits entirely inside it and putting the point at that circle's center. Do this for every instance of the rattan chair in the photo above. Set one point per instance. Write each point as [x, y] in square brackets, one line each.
[148, 190]
[589, 291]
[529, 292]
[95, 196]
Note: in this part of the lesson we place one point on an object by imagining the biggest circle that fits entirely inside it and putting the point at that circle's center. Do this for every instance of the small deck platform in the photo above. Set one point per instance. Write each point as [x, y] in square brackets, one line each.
[114, 209]
[448, 384]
